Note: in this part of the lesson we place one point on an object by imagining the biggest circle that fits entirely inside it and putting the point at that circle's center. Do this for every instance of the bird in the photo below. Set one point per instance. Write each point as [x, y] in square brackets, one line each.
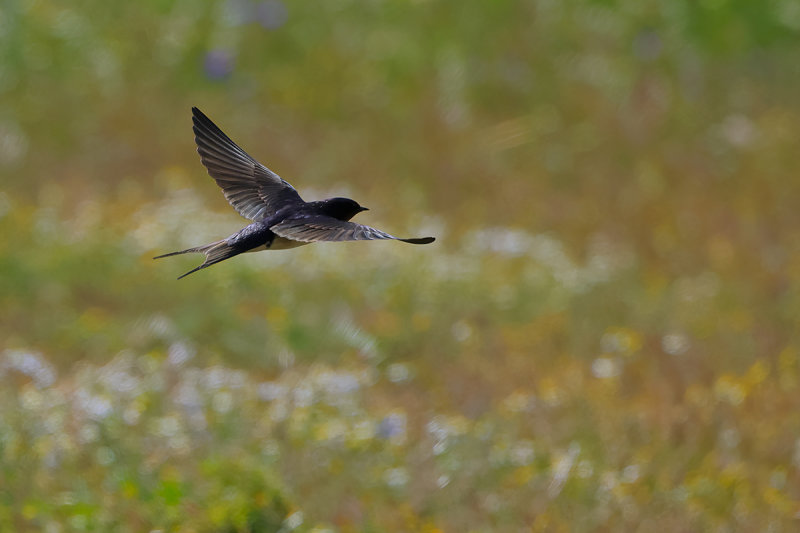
[281, 219]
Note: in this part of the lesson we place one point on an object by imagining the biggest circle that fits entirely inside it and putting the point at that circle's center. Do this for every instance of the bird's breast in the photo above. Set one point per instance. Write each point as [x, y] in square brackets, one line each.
[280, 243]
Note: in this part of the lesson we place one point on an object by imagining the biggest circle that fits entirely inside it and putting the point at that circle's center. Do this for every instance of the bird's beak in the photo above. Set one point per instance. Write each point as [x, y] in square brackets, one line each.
[365, 209]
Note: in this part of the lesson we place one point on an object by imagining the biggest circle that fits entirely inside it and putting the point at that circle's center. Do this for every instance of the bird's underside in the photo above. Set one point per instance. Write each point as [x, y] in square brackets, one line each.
[281, 218]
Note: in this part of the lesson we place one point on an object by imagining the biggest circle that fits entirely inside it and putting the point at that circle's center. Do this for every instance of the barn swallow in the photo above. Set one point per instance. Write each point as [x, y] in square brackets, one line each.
[281, 219]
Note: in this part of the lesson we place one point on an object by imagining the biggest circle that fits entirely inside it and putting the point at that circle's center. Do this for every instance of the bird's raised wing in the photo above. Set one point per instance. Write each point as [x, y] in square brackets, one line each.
[322, 228]
[251, 188]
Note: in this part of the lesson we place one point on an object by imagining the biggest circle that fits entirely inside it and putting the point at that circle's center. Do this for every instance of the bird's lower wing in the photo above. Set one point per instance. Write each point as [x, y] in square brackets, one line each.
[322, 228]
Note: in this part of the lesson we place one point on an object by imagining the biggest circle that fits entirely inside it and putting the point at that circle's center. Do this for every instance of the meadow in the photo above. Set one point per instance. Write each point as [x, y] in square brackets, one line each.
[604, 336]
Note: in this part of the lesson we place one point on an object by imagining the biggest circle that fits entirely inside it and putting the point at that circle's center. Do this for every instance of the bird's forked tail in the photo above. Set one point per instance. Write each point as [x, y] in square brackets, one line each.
[214, 252]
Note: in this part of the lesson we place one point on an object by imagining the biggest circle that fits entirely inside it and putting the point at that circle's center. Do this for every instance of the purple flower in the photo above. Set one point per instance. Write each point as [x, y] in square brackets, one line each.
[218, 64]
[271, 14]
[392, 426]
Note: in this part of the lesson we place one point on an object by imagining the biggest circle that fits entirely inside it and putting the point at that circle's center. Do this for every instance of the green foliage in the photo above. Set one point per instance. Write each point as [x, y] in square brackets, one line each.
[603, 337]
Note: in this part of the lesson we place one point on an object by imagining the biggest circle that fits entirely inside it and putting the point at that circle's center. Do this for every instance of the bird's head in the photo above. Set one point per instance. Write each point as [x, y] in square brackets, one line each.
[342, 208]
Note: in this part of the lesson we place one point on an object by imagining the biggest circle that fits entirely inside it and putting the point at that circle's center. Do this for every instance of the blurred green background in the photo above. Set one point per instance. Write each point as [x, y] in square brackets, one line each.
[604, 336]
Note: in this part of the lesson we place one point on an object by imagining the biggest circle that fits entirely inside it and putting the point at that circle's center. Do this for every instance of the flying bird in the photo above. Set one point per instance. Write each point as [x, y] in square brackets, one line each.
[281, 219]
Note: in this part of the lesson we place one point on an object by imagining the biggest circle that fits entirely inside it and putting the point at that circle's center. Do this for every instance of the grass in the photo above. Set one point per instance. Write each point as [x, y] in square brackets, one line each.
[602, 338]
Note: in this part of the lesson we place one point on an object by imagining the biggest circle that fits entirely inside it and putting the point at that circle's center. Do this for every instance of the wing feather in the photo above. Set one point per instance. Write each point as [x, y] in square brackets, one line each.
[251, 188]
[323, 228]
